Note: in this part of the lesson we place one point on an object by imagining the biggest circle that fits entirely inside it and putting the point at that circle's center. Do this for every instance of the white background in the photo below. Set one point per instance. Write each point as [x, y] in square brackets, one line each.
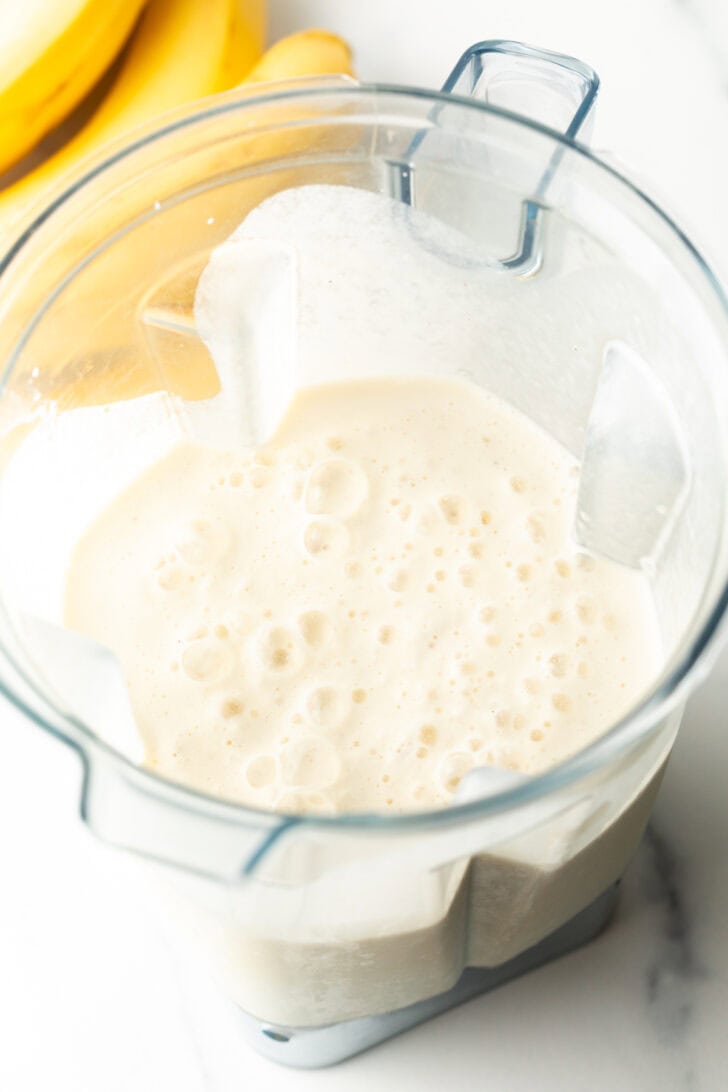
[91, 998]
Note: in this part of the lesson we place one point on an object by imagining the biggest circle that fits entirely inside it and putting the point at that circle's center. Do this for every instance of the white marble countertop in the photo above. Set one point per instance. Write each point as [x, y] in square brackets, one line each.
[91, 997]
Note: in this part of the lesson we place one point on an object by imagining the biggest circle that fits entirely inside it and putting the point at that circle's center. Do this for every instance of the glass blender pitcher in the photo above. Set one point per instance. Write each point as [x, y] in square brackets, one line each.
[606, 328]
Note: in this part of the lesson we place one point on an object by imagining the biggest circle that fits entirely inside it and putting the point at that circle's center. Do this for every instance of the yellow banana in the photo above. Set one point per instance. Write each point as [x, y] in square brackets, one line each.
[307, 53]
[100, 360]
[51, 55]
[180, 51]
[246, 37]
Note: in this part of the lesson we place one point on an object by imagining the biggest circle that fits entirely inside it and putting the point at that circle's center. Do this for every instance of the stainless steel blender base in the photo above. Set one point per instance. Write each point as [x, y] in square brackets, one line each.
[313, 1048]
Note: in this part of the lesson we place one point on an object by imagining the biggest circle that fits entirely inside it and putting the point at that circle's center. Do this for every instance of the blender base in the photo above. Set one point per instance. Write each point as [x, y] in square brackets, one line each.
[316, 1047]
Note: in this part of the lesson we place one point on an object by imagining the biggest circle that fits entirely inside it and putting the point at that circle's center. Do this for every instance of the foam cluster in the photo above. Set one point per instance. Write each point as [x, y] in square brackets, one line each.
[355, 616]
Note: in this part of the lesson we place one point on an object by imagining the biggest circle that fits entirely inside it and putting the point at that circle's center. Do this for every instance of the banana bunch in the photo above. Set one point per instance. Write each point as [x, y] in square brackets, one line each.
[166, 55]
[168, 52]
[50, 58]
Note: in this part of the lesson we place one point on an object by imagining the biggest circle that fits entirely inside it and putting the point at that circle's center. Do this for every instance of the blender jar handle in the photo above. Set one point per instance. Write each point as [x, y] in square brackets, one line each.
[550, 88]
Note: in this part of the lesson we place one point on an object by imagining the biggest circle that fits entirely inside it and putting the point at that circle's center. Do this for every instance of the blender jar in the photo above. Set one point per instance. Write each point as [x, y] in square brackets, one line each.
[604, 325]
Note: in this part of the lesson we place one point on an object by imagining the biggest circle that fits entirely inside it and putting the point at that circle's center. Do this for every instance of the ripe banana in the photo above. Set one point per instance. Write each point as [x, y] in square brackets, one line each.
[51, 55]
[100, 359]
[180, 51]
[246, 37]
[307, 53]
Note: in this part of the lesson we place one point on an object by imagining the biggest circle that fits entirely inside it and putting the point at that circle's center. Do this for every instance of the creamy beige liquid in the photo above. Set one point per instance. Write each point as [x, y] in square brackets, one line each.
[354, 616]
[359, 613]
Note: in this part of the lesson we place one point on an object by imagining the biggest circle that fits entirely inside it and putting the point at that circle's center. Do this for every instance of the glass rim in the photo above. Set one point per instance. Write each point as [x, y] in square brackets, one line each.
[647, 714]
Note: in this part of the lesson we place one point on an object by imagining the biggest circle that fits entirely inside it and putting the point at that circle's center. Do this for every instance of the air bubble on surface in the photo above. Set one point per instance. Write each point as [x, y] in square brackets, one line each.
[304, 803]
[207, 661]
[536, 529]
[310, 762]
[558, 664]
[241, 621]
[586, 610]
[397, 581]
[315, 627]
[325, 538]
[335, 487]
[231, 707]
[266, 457]
[452, 509]
[260, 477]
[278, 650]
[295, 488]
[261, 771]
[172, 578]
[453, 768]
[203, 542]
[508, 758]
[427, 522]
[326, 707]
[468, 576]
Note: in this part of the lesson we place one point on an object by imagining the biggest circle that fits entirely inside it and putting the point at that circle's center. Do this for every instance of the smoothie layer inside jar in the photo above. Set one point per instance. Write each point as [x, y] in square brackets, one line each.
[355, 615]
[384, 594]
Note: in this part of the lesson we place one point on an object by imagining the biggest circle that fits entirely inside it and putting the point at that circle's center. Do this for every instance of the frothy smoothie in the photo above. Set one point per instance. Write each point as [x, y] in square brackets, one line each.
[355, 615]
[353, 585]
